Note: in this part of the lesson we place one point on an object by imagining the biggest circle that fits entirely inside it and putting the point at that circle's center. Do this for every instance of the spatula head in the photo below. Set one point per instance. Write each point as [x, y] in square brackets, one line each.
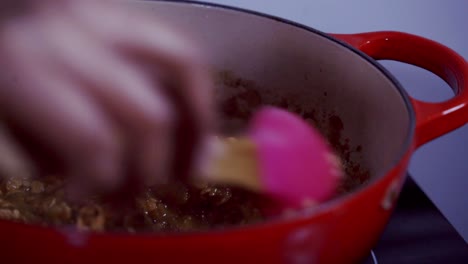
[296, 164]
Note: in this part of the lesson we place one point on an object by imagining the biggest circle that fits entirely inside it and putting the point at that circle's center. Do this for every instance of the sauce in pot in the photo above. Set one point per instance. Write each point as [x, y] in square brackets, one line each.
[175, 207]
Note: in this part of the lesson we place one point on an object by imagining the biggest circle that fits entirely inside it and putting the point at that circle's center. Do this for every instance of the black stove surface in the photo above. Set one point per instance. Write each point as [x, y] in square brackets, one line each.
[418, 233]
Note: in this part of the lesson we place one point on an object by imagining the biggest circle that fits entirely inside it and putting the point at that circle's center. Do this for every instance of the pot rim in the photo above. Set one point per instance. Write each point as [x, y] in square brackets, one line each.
[304, 214]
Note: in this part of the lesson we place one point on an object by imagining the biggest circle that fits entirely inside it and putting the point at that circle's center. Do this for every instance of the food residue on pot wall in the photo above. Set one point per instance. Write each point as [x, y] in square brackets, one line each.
[239, 98]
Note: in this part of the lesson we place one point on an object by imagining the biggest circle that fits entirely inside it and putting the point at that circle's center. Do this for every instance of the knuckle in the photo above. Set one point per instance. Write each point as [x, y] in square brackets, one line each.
[158, 117]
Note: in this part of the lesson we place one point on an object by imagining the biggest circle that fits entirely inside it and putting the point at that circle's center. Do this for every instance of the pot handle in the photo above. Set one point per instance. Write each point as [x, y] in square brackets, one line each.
[432, 119]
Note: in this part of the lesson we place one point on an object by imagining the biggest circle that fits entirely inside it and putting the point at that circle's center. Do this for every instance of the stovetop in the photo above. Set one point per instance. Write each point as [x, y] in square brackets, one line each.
[418, 233]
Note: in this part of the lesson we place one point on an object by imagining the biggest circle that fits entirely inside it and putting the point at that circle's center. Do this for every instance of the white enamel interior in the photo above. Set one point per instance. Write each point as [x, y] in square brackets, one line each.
[302, 66]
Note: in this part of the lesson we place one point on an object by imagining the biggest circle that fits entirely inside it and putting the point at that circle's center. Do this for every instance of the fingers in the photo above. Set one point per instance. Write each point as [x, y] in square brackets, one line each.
[156, 43]
[153, 43]
[138, 104]
[83, 91]
[118, 22]
[59, 114]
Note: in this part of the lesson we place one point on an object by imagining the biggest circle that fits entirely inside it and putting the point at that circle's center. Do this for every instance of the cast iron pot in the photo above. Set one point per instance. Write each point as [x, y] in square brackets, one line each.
[332, 79]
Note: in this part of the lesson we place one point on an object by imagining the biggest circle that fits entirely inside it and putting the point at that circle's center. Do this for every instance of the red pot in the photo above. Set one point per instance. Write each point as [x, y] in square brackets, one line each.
[332, 78]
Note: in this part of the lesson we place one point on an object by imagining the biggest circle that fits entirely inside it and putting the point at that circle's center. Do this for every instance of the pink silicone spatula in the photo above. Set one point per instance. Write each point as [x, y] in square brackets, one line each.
[282, 156]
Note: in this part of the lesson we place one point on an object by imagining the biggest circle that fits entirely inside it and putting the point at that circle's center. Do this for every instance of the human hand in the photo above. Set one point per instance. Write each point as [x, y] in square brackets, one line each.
[102, 88]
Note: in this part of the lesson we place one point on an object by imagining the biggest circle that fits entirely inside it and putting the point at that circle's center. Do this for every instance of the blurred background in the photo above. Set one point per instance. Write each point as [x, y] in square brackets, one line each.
[441, 167]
